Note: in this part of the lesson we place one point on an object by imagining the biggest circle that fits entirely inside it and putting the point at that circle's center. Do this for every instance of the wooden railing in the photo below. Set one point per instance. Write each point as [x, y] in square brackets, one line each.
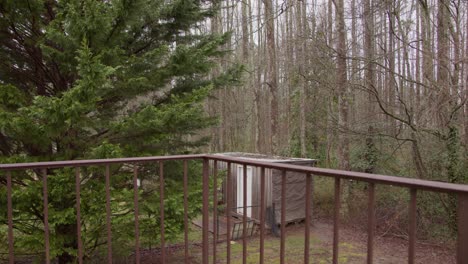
[210, 168]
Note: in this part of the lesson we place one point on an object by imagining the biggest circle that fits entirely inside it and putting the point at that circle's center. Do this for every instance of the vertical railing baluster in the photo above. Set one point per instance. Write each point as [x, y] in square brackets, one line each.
[186, 252]
[78, 214]
[228, 213]
[262, 215]
[43, 170]
[412, 226]
[370, 223]
[215, 209]
[336, 220]
[136, 212]
[46, 215]
[205, 211]
[462, 221]
[108, 216]
[161, 211]
[244, 217]
[11, 254]
[283, 218]
[308, 216]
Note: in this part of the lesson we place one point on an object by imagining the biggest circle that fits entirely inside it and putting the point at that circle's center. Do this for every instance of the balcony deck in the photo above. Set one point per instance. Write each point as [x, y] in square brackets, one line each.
[414, 186]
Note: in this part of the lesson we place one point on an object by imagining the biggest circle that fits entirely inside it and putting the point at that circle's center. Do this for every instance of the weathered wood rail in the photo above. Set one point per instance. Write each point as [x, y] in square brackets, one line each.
[414, 186]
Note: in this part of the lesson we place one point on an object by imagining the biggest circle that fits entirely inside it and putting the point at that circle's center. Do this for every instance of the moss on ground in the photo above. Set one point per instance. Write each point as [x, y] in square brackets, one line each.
[320, 251]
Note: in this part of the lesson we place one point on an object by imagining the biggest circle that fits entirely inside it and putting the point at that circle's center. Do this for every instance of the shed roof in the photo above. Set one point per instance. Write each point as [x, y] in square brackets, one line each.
[266, 158]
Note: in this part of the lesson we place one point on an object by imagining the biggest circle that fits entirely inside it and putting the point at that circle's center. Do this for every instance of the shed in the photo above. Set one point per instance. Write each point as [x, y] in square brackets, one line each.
[295, 188]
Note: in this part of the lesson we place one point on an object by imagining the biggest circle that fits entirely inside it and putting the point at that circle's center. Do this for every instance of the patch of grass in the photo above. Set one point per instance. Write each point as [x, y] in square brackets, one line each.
[324, 197]
[194, 235]
[319, 251]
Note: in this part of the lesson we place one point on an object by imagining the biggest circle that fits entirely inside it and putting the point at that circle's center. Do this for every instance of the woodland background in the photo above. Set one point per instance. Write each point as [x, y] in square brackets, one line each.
[375, 86]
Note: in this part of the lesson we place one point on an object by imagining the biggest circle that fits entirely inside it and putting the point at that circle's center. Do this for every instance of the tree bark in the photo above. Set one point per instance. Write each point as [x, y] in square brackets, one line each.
[272, 73]
[342, 84]
[370, 83]
[300, 49]
[465, 95]
[442, 64]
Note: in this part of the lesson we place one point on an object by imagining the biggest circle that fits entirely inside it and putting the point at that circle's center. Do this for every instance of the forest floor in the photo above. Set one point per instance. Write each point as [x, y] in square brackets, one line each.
[352, 248]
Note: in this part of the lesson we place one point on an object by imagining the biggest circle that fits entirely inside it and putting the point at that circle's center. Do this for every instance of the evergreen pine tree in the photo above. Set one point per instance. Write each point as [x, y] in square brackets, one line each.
[100, 79]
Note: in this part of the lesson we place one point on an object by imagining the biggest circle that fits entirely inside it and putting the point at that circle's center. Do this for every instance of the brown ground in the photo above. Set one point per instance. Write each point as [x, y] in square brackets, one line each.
[387, 250]
[353, 245]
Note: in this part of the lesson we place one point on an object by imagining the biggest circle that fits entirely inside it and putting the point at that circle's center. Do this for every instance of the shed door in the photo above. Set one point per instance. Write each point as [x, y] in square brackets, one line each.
[240, 190]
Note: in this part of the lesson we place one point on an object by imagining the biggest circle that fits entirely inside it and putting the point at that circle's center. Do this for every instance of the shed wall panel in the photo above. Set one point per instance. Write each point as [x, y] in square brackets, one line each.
[295, 192]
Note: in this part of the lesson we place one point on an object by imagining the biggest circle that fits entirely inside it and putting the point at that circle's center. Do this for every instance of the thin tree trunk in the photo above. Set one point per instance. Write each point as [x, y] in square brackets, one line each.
[417, 71]
[272, 73]
[300, 47]
[342, 84]
[370, 84]
[391, 81]
[330, 103]
[245, 33]
[215, 104]
[289, 71]
[442, 63]
[260, 132]
[354, 77]
[427, 61]
[465, 96]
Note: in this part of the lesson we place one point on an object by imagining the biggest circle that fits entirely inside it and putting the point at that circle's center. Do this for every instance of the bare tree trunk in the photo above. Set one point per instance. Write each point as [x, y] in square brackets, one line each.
[245, 33]
[248, 92]
[370, 154]
[289, 69]
[260, 132]
[300, 49]
[465, 95]
[272, 73]
[330, 23]
[427, 62]
[417, 71]
[421, 171]
[447, 114]
[455, 32]
[391, 81]
[330, 104]
[442, 63]
[406, 87]
[215, 105]
[342, 84]
[354, 62]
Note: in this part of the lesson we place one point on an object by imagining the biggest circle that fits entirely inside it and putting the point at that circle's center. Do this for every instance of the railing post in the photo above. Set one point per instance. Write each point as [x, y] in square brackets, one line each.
[78, 214]
[186, 251]
[412, 226]
[161, 212]
[283, 218]
[215, 209]
[11, 254]
[46, 216]
[228, 213]
[371, 223]
[108, 216]
[336, 220]
[205, 220]
[136, 215]
[462, 247]
[244, 216]
[308, 216]
[262, 215]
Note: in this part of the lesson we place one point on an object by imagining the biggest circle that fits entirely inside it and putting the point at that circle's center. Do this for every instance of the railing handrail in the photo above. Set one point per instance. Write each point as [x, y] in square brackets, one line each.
[91, 162]
[413, 184]
[351, 175]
